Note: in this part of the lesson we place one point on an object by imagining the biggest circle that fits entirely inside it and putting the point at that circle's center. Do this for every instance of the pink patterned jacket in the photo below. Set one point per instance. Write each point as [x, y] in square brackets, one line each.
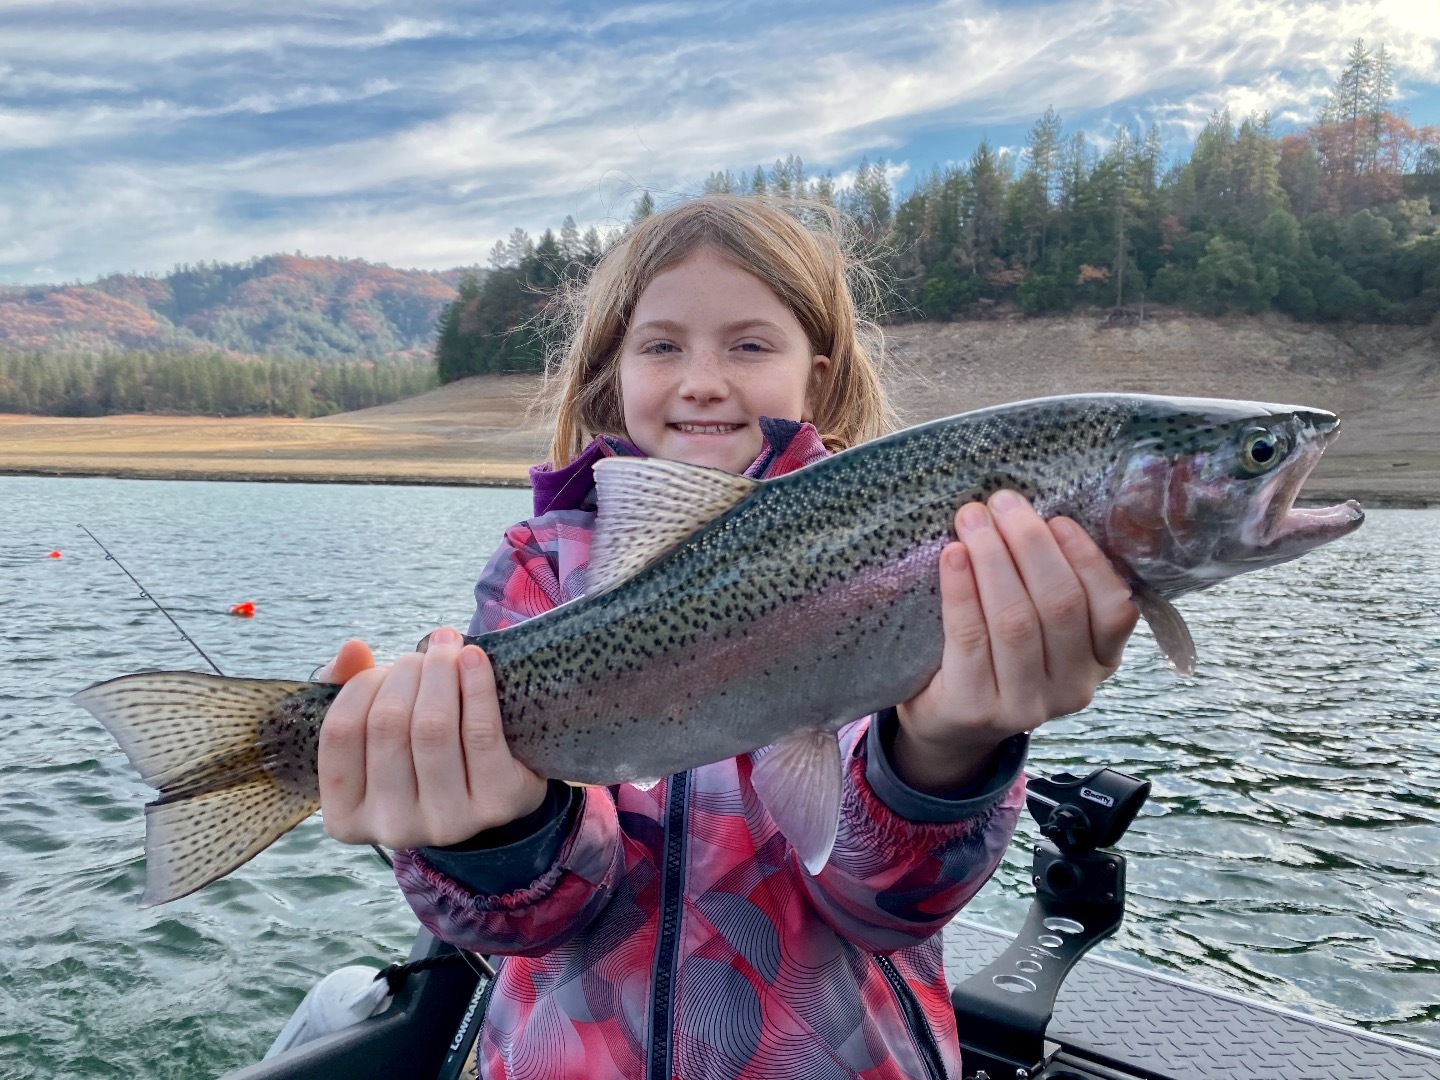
[671, 932]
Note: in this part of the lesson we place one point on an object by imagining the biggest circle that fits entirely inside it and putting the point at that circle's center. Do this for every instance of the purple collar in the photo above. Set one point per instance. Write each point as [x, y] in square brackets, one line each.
[570, 488]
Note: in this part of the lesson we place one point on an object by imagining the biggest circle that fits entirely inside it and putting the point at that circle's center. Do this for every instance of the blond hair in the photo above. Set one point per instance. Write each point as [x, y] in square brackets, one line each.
[803, 262]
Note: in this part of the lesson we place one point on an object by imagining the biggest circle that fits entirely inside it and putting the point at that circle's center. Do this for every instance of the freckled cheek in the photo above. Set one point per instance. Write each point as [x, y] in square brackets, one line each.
[641, 406]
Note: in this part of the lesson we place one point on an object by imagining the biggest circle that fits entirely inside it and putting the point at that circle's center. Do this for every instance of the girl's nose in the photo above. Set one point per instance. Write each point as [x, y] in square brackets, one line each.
[704, 378]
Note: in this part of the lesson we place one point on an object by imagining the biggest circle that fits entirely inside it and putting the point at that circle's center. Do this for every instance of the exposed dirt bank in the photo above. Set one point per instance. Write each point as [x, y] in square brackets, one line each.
[1384, 381]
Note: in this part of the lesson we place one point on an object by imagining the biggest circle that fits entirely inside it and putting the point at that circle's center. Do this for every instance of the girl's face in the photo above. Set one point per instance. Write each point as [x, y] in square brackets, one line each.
[710, 350]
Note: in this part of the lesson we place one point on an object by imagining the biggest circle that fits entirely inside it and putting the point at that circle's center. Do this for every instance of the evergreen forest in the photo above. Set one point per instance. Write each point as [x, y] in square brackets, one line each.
[211, 384]
[284, 335]
[1334, 222]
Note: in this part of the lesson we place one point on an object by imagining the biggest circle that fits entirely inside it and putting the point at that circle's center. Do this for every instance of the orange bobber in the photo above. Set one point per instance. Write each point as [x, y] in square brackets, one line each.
[53, 555]
[245, 610]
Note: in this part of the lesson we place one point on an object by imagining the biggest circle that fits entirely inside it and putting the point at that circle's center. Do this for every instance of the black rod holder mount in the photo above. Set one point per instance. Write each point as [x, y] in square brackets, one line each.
[1003, 1011]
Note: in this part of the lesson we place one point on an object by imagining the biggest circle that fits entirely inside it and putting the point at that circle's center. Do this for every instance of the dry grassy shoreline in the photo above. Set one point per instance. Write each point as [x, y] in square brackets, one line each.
[59, 448]
[1383, 381]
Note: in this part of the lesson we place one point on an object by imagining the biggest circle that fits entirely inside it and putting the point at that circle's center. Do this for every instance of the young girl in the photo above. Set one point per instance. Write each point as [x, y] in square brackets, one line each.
[672, 931]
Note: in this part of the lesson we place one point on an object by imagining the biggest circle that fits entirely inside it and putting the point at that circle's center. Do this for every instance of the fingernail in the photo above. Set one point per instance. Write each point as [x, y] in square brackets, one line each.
[445, 636]
[1006, 502]
[958, 557]
[470, 657]
[974, 516]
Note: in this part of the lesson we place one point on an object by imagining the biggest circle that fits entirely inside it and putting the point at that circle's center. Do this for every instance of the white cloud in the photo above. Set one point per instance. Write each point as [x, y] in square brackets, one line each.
[524, 117]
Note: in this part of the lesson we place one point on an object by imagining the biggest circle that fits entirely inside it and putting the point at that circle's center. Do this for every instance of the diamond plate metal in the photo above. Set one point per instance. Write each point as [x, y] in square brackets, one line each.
[1170, 1030]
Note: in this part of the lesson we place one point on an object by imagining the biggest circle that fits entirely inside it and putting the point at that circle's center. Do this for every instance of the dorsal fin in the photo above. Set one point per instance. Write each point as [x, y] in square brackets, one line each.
[646, 507]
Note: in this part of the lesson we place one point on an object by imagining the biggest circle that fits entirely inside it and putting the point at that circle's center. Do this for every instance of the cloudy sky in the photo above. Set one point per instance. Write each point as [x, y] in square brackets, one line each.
[137, 134]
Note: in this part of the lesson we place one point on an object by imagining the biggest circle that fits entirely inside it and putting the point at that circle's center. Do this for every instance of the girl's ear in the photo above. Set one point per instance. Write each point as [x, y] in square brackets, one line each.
[819, 366]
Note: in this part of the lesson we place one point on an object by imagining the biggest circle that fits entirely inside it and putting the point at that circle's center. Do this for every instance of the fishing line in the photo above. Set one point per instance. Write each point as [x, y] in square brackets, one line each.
[146, 595]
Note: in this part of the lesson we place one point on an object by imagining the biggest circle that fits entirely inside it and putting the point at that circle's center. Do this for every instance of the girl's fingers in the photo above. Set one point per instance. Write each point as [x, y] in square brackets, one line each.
[1016, 645]
[354, 657]
[481, 734]
[966, 660]
[435, 734]
[389, 771]
[1059, 598]
[1112, 614]
[341, 760]
[501, 788]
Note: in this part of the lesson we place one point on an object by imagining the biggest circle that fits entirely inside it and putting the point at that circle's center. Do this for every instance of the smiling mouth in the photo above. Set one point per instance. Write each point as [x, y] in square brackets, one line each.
[707, 429]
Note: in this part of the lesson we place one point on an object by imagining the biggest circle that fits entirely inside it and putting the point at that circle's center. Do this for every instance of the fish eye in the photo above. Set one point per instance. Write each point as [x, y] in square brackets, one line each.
[1260, 451]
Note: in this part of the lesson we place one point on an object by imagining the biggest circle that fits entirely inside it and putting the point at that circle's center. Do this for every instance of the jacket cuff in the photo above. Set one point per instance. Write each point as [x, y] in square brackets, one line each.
[984, 792]
[511, 856]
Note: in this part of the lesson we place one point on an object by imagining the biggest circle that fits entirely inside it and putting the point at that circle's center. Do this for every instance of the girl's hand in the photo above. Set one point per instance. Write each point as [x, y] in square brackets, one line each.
[412, 753]
[1035, 619]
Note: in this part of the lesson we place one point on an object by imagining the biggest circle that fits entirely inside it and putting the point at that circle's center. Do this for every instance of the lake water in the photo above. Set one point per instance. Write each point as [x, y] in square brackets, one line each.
[1291, 848]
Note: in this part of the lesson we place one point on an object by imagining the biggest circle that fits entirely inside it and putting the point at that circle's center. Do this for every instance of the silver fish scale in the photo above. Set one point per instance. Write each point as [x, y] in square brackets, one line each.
[814, 601]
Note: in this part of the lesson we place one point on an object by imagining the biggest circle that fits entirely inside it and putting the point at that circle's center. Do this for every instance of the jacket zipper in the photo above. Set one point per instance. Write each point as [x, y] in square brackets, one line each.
[920, 1033]
[672, 891]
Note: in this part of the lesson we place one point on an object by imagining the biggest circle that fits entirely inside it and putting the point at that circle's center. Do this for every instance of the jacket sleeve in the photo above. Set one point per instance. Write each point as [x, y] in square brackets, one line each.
[530, 886]
[904, 862]
[536, 917]
[540, 564]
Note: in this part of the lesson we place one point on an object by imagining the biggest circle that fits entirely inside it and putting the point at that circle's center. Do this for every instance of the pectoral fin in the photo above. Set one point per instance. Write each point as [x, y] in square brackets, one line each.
[1168, 626]
[798, 779]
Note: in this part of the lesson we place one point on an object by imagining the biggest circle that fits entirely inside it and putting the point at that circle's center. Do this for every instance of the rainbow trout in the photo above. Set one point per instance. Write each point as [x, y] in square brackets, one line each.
[724, 615]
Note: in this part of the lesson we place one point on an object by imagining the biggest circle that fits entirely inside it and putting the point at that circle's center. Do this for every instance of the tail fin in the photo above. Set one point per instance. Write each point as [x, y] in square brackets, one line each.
[199, 740]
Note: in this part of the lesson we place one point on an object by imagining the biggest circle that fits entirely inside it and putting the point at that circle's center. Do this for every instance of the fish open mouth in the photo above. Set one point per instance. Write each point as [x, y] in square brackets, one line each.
[1283, 530]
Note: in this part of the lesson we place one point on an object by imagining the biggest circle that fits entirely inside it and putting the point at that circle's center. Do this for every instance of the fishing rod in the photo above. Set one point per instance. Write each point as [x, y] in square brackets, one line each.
[145, 594]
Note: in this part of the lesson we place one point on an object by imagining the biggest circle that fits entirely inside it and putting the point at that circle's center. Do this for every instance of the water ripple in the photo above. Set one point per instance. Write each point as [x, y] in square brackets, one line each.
[1291, 848]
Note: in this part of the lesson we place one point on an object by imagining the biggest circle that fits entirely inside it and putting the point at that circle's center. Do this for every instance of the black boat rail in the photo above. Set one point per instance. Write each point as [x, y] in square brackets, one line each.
[411, 1038]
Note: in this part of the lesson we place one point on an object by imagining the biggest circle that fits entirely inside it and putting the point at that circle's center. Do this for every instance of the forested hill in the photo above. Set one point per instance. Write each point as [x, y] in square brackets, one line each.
[1337, 221]
[322, 309]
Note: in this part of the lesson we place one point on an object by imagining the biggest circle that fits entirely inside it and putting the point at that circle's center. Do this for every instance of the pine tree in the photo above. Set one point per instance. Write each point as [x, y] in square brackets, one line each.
[591, 246]
[985, 215]
[1213, 162]
[721, 183]
[1040, 182]
[869, 201]
[1257, 169]
[570, 247]
[297, 401]
[518, 248]
[780, 180]
[824, 191]
[643, 208]
[1349, 105]
[453, 359]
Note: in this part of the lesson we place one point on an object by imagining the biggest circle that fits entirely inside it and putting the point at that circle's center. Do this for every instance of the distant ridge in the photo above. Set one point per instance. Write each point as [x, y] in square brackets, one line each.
[324, 309]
